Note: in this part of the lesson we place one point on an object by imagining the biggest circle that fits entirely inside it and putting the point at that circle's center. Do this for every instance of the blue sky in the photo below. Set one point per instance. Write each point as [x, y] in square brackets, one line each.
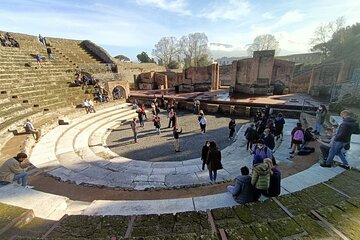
[131, 26]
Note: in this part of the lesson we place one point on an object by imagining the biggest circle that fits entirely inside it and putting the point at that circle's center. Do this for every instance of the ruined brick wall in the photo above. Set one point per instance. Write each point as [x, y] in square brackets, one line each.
[300, 83]
[263, 62]
[225, 75]
[282, 71]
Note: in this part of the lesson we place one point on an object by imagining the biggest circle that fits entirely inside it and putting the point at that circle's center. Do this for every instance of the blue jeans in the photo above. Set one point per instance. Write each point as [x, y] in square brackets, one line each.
[212, 174]
[336, 149]
[318, 127]
[135, 136]
[23, 177]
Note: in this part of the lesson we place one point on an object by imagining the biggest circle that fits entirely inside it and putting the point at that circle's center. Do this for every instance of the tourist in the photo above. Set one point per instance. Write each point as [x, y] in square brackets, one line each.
[13, 169]
[262, 150]
[261, 124]
[243, 191]
[3, 41]
[260, 178]
[341, 139]
[172, 118]
[275, 181]
[308, 137]
[29, 128]
[213, 161]
[142, 109]
[162, 100]
[251, 136]
[157, 124]
[279, 126]
[134, 128]
[297, 138]
[176, 134]
[320, 118]
[39, 59]
[89, 108]
[268, 139]
[232, 129]
[202, 123]
[42, 40]
[196, 107]
[204, 153]
[49, 52]
[140, 117]
[326, 143]
[267, 112]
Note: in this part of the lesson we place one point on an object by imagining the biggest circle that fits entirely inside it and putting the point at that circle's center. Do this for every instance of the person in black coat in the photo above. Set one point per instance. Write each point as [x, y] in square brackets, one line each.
[204, 153]
[268, 138]
[251, 136]
[213, 161]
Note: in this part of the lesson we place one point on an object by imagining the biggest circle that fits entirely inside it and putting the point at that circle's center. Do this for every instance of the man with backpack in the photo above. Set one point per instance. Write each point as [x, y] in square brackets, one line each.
[262, 150]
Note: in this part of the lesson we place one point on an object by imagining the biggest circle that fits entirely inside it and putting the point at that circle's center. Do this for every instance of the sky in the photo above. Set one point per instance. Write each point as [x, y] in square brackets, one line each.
[129, 27]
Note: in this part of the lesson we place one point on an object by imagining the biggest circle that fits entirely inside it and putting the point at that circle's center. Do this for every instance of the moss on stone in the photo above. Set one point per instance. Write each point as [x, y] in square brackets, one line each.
[267, 210]
[240, 233]
[244, 213]
[355, 202]
[324, 195]
[264, 231]
[286, 227]
[310, 225]
[223, 213]
[8, 213]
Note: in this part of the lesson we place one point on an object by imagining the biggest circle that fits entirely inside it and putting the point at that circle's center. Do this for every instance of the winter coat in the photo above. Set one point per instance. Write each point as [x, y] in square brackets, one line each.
[269, 140]
[320, 116]
[9, 168]
[213, 160]
[346, 128]
[204, 152]
[279, 125]
[243, 191]
[260, 178]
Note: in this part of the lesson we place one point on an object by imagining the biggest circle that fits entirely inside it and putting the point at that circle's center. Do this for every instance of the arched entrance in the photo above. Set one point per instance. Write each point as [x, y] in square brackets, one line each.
[118, 92]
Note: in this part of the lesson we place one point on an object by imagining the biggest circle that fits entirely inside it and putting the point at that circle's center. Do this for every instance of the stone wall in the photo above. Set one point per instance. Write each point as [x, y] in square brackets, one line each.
[262, 74]
[191, 79]
[97, 51]
[129, 71]
[225, 75]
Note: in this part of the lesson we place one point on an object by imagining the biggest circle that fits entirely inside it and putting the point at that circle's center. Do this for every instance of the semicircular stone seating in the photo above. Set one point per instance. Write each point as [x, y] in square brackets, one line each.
[77, 152]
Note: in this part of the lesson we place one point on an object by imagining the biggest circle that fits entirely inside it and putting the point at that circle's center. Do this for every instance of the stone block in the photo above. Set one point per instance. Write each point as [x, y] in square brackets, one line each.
[210, 107]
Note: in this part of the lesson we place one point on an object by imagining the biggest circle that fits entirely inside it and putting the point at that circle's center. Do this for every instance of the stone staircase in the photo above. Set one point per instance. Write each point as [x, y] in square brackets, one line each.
[327, 210]
[28, 90]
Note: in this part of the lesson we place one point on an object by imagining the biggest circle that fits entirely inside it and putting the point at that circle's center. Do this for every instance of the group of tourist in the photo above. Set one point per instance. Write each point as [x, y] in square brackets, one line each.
[39, 59]
[101, 93]
[7, 40]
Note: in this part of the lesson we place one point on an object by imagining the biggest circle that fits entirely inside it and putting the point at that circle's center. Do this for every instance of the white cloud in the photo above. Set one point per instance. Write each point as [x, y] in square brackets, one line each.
[177, 6]
[289, 17]
[229, 10]
[268, 15]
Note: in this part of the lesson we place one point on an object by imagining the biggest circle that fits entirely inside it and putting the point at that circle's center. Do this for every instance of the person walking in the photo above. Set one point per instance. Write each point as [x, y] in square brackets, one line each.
[204, 153]
[279, 126]
[134, 128]
[172, 118]
[213, 161]
[176, 134]
[251, 136]
[232, 128]
[341, 139]
[13, 169]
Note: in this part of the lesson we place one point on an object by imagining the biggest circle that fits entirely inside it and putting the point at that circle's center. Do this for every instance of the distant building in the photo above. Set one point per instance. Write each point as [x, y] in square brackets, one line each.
[227, 61]
[304, 58]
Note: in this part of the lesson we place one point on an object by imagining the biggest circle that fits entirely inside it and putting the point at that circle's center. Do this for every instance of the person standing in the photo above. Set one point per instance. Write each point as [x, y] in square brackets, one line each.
[268, 139]
[49, 52]
[341, 139]
[279, 126]
[202, 123]
[204, 153]
[157, 124]
[13, 169]
[134, 128]
[243, 191]
[140, 117]
[213, 161]
[176, 134]
[320, 118]
[251, 136]
[261, 150]
[171, 118]
[232, 128]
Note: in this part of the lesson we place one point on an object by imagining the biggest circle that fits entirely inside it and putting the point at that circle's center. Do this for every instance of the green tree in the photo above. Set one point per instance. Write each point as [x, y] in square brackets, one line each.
[264, 42]
[122, 58]
[143, 57]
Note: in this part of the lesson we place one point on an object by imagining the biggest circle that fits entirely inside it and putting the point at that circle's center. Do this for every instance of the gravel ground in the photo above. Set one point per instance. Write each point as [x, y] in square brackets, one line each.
[159, 148]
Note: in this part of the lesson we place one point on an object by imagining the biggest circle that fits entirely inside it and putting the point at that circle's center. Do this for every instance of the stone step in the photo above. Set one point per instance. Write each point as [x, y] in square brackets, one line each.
[44, 205]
